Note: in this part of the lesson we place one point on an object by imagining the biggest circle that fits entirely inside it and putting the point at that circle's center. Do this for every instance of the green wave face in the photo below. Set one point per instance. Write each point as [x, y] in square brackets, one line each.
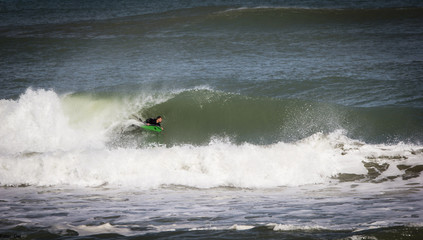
[198, 116]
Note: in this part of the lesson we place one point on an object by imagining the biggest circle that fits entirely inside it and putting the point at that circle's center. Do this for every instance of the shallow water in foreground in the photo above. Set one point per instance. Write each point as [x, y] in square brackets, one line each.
[334, 211]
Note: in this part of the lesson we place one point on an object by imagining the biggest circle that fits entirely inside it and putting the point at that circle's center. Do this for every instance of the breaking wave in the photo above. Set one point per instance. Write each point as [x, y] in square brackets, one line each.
[48, 139]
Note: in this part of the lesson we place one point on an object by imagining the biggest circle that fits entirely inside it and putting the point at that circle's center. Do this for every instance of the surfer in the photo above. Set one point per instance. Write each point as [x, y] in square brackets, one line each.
[154, 121]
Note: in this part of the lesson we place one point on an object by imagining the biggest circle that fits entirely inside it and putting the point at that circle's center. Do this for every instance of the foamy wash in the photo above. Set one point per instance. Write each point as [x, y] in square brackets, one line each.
[283, 120]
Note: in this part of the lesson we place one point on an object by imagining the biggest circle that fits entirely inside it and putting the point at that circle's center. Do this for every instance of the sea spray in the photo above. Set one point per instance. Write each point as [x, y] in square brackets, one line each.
[37, 123]
[42, 120]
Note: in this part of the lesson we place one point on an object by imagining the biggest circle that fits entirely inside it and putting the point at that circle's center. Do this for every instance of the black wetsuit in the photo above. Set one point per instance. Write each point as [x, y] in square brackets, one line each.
[152, 121]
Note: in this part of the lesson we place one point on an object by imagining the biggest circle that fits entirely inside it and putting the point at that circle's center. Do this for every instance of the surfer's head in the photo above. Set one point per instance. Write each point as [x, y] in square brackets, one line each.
[159, 119]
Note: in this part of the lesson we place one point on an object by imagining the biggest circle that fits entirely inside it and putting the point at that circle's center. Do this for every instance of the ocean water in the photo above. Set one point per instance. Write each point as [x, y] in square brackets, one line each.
[282, 119]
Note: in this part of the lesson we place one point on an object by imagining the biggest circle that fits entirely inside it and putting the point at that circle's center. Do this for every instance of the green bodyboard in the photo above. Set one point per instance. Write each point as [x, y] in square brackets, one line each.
[152, 128]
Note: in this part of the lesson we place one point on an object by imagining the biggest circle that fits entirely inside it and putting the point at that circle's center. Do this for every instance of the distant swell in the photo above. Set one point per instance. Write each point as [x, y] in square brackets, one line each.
[204, 19]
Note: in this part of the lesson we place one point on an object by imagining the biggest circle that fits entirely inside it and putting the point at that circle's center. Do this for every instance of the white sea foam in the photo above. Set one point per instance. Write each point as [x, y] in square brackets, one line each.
[84, 230]
[35, 123]
[290, 227]
[313, 160]
[241, 227]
